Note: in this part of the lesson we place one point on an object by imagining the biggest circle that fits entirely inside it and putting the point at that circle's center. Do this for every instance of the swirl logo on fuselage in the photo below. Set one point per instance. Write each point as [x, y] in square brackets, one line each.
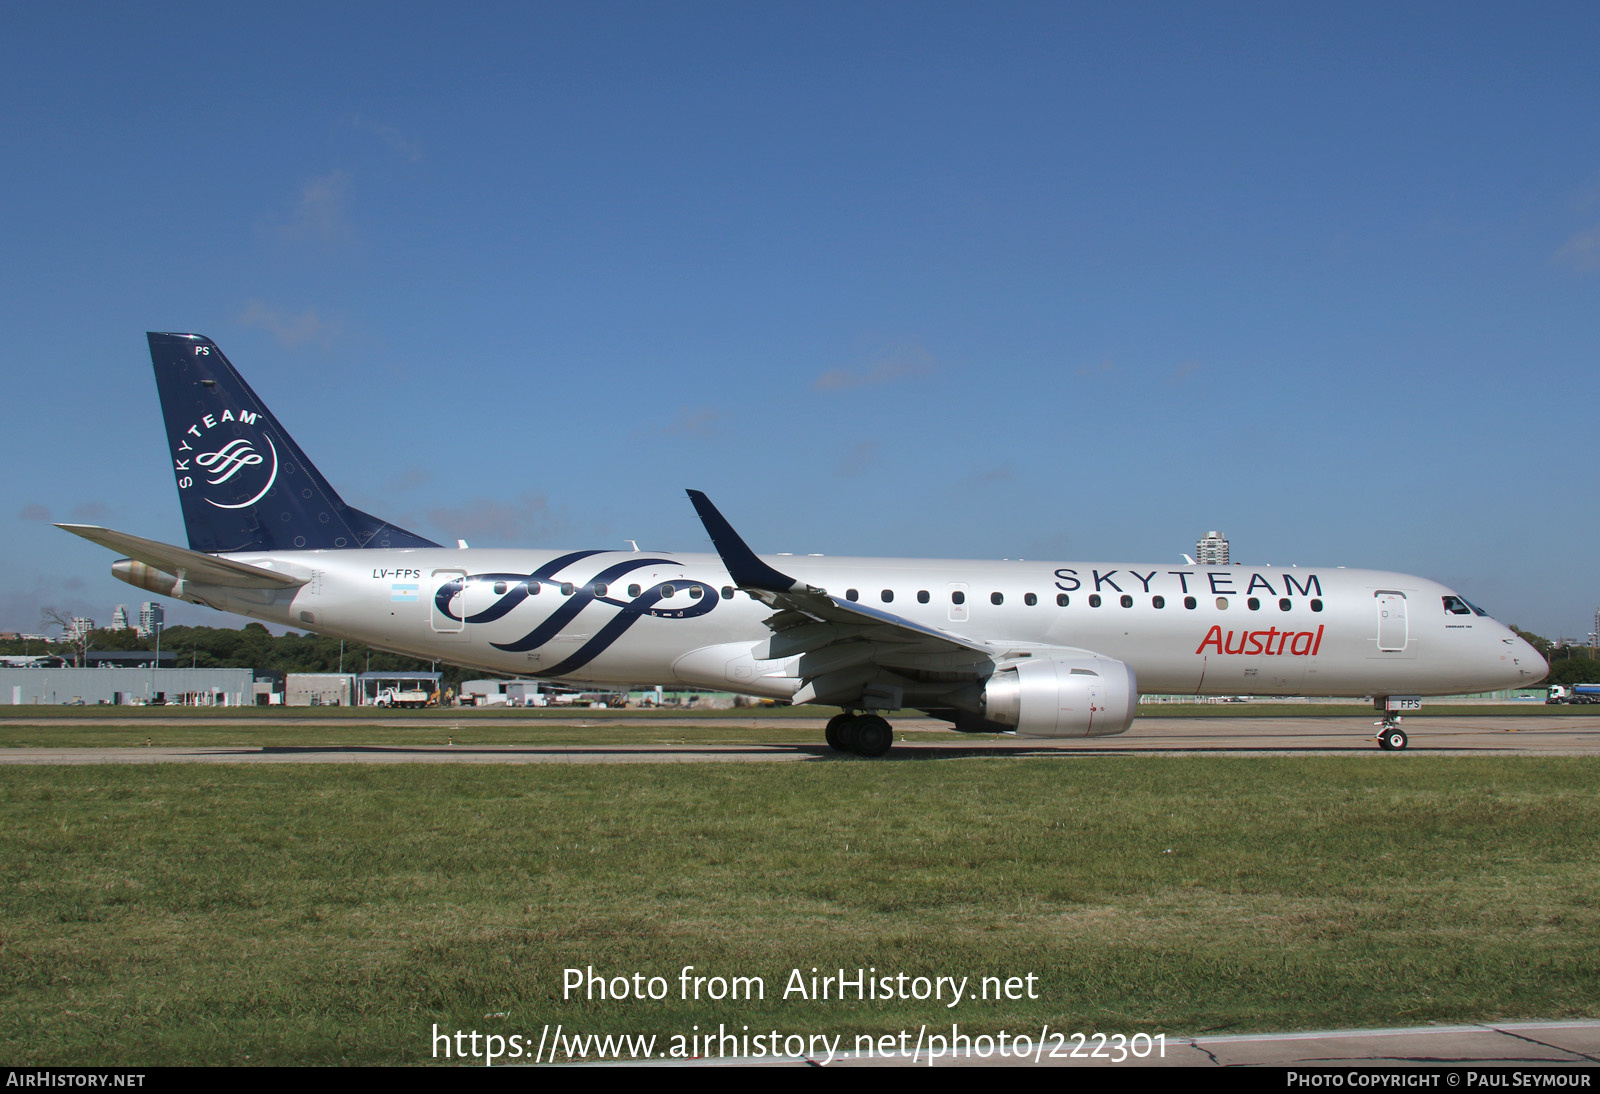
[236, 459]
[594, 591]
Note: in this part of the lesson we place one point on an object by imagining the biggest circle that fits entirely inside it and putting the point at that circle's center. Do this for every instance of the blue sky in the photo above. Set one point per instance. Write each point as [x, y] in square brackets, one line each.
[1002, 280]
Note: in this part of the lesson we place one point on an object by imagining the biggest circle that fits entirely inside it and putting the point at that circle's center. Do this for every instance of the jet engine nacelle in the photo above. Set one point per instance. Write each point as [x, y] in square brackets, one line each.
[1073, 696]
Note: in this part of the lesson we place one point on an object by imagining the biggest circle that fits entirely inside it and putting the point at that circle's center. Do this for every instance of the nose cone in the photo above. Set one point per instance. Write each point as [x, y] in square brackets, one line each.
[1528, 661]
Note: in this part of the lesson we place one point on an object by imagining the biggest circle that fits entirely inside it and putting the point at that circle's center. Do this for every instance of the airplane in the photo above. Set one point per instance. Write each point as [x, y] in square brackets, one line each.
[1035, 649]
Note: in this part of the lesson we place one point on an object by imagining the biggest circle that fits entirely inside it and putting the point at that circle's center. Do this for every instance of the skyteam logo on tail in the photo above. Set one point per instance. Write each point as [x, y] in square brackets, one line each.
[230, 469]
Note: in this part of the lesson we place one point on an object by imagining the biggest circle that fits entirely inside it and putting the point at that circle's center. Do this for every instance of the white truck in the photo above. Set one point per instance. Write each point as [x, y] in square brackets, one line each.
[1573, 693]
[396, 696]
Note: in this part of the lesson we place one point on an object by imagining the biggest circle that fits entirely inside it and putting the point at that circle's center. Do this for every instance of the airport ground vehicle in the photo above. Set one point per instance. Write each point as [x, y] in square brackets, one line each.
[404, 697]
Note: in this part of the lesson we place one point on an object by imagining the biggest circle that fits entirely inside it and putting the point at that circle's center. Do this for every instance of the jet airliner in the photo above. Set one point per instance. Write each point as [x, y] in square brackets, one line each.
[1035, 649]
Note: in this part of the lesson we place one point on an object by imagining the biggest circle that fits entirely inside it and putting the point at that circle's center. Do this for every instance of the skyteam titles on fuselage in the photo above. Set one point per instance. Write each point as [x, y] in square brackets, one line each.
[1217, 583]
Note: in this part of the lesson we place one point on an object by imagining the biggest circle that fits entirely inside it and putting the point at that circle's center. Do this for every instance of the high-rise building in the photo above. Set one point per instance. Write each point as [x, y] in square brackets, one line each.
[152, 616]
[119, 618]
[1212, 550]
[80, 626]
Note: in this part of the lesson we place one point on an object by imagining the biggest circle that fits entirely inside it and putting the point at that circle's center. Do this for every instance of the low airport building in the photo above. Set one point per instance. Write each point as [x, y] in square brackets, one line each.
[319, 689]
[127, 686]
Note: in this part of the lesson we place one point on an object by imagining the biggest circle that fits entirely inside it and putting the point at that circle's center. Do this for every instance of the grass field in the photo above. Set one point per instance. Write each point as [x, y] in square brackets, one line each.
[321, 914]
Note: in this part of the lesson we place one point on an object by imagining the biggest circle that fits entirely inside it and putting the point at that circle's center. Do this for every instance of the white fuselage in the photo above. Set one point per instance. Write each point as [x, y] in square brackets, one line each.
[620, 617]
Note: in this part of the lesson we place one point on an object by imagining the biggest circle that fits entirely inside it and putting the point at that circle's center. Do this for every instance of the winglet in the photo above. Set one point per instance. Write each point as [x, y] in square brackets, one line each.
[747, 571]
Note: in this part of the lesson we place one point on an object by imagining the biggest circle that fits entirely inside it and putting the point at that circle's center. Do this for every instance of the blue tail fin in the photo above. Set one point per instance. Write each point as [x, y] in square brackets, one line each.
[244, 484]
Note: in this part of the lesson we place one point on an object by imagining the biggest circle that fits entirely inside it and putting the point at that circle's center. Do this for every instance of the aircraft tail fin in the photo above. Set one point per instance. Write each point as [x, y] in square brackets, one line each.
[243, 482]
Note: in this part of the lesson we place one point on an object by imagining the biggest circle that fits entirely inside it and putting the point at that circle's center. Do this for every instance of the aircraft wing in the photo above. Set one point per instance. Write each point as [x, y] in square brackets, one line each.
[841, 644]
[181, 562]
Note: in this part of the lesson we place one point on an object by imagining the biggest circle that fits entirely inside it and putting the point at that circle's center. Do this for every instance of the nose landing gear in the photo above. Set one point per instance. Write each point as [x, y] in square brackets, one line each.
[1391, 738]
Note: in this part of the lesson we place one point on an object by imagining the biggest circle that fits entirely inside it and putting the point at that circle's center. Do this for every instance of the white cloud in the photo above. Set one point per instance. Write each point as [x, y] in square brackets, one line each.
[1581, 252]
[291, 330]
[857, 458]
[689, 422]
[1004, 472]
[527, 519]
[900, 362]
[411, 478]
[320, 212]
[398, 142]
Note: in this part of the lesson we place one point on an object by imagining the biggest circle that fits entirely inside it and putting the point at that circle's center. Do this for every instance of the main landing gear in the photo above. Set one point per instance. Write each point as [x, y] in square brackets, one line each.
[1391, 738]
[863, 734]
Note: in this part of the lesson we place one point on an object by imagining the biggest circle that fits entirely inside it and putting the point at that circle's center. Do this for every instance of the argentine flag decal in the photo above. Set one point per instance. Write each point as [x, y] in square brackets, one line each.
[403, 592]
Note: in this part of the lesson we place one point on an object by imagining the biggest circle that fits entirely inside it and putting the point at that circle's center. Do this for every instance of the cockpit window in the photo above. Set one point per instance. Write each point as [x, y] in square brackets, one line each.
[1454, 605]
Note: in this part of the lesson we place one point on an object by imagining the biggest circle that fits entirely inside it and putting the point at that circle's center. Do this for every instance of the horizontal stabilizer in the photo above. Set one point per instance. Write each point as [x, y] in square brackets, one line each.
[180, 562]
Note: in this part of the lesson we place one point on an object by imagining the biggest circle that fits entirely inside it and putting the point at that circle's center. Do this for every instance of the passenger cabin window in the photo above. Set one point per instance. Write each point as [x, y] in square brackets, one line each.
[997, 598]
[1030, 600]
[1158, 602]
[566, 588]
[1190, 603]
[533, 588]
[634, 590]
[1222, 603]
[1284, 604]
[922, 596]
[727, 592]
[600, 588]
[1316, 605]
[696, 592]
[1254, 603]
[958, 597]
[888, 596]
[1062, 600]
[499, 588]
[1127, 601]
[1094, 600]
[667, 591]
[851, 594]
